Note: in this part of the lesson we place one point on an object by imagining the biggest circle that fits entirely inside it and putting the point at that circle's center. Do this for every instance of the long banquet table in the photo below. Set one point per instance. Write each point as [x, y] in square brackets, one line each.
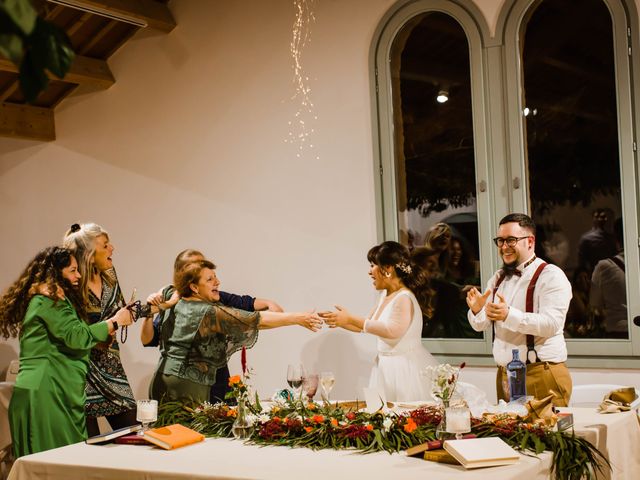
[616, 435]
[229, 459]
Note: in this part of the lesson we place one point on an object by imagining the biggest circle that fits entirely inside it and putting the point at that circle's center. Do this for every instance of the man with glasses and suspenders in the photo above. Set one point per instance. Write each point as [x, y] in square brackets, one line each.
[525, 303]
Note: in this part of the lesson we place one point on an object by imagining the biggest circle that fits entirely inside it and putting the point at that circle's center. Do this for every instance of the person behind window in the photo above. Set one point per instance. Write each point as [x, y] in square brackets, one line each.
[108, 392]
[397, 322]
[439, 239]
[205, 333]
[609, 290]
[47, 407]
[534, 327]
[598, 243]
[166, 298]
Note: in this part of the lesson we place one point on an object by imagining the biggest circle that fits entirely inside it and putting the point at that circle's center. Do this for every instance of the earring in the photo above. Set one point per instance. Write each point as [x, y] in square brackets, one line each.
[387, 274]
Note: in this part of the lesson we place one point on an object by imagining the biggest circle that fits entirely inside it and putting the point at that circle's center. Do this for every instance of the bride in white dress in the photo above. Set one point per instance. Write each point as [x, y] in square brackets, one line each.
[397, 322]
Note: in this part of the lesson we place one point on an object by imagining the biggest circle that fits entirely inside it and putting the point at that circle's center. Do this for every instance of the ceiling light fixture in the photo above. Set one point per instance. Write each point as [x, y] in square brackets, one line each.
[442, 97]
[102, 11]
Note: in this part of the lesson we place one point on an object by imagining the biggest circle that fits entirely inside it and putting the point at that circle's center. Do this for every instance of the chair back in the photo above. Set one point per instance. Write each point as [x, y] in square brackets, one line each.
[592, 395]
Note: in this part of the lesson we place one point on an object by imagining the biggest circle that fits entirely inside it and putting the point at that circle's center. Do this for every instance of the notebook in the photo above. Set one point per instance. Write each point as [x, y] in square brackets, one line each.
[107, 437]
[482, 452]
[173, 436]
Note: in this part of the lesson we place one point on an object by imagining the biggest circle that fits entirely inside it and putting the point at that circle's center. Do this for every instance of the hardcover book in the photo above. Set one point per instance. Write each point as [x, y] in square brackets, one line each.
[173, 436]
[482, 452]
[107, 437]
[132, 439]
[441, 456]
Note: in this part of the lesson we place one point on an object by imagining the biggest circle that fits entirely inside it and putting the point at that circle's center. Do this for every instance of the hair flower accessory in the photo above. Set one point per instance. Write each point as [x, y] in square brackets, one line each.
[403, 267]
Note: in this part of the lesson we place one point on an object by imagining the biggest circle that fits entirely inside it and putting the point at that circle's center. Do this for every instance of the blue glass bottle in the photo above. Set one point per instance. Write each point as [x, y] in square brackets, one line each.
[517, 377]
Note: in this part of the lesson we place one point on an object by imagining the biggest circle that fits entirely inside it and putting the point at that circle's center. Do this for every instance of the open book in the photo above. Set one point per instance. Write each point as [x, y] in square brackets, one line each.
[173, 436]
[482, 452]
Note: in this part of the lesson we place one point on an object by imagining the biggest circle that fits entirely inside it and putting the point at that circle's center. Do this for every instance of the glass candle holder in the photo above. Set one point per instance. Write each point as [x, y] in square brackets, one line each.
[458, 420]
[146, 413]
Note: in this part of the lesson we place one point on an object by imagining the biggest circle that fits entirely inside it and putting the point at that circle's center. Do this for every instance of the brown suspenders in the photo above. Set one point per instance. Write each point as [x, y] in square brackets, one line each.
[528, 308]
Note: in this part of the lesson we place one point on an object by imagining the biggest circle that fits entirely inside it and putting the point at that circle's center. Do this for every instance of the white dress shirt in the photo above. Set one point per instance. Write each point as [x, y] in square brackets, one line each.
[550, 304]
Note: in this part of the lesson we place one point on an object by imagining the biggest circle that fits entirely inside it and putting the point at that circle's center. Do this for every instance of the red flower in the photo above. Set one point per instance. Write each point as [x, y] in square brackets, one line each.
[317, 418]
[350, 416]
[369, 427]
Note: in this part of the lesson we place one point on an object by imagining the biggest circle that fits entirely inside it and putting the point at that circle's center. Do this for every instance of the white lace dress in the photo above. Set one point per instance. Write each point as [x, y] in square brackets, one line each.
[401, 357]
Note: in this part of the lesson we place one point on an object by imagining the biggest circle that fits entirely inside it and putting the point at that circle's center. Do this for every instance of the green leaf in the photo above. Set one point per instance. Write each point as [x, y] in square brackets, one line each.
[21, 13]
[33, 79]
[11, 47]
[52, 48]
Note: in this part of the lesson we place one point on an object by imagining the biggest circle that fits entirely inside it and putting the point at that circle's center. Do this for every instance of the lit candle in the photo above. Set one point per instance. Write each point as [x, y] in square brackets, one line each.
[147, 411]
[458, 420]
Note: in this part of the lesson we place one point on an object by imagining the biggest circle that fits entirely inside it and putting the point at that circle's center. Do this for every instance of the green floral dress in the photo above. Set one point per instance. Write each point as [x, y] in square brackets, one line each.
[196, 339]
[108, 390]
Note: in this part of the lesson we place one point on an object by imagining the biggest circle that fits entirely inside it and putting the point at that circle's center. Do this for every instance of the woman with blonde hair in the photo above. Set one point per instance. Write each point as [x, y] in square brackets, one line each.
[108, 392]
[43, 308]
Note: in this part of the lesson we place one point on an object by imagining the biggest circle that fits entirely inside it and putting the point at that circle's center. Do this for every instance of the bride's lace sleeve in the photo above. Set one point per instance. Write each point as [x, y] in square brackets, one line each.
[239, 328]
[396, 323]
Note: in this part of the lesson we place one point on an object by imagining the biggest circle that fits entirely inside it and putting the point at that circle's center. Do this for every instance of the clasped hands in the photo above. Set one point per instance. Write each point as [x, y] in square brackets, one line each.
[338, 318]
[495, 311]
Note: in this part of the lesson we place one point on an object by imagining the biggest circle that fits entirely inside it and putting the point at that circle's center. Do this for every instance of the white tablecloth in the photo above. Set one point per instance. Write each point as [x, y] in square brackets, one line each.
[616, 435]
[229, 459]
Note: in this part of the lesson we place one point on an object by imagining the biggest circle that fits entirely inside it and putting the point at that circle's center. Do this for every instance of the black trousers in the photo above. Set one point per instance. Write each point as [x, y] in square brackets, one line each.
[221, 387]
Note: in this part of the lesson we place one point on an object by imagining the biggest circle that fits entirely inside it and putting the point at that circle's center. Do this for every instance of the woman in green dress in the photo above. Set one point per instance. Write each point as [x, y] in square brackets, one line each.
[47, 407]
[200, 334]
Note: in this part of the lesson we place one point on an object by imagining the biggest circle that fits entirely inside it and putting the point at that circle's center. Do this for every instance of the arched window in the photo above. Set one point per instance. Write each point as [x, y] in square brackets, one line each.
[538, 118]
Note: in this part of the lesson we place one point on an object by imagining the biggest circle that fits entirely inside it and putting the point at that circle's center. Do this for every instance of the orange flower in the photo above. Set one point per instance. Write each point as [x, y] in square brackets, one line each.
[307, 429]
[370, 427]
[232, 412]
[317, 418]
[311, 406]
[234, 380]
[276, 419]
[334, 422]
[410, 426]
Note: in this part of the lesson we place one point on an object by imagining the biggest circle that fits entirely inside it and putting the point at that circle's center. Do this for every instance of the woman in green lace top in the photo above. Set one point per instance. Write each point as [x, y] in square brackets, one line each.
[201, 334]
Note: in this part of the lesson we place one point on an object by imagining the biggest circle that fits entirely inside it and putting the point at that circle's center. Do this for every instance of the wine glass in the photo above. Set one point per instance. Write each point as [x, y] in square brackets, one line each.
[458, 420]
[294, 378]
[310, 385]
[327, 380]
[146, 413]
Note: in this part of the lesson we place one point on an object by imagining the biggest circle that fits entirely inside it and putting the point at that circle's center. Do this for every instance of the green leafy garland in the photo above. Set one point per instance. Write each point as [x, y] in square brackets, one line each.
[311, 425]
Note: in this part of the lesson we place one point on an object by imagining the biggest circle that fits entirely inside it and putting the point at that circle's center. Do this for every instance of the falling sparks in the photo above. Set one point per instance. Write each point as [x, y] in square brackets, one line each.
[300, 129]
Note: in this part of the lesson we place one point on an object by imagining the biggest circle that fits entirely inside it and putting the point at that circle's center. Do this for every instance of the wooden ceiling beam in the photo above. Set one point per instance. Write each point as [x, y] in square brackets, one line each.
[84, 71]
[154, 14]
[27, 122]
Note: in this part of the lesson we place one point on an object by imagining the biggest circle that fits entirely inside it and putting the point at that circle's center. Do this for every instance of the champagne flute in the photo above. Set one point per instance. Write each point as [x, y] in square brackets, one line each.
[327, 380]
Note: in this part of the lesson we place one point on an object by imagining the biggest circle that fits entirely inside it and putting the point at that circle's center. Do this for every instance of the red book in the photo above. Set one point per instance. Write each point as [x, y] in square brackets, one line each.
[133, 439]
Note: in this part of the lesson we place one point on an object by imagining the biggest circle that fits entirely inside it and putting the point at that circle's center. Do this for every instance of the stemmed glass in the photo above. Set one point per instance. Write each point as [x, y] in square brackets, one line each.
[146, 413]
[327, 380]
[310, 385]
[458, 420]
[294, 378]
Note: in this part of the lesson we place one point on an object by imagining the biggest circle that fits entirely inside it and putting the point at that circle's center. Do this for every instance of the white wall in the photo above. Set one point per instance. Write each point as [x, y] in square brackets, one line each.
[187, 150]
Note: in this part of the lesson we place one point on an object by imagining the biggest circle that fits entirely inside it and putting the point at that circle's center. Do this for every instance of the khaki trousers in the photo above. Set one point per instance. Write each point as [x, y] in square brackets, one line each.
[543, 378]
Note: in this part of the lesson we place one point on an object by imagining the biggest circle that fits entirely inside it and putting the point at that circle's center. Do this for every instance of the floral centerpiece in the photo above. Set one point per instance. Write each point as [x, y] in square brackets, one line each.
[296, 423]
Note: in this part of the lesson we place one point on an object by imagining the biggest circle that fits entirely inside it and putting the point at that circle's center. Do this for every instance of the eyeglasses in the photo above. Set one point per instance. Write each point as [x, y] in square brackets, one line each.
[510, 241]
